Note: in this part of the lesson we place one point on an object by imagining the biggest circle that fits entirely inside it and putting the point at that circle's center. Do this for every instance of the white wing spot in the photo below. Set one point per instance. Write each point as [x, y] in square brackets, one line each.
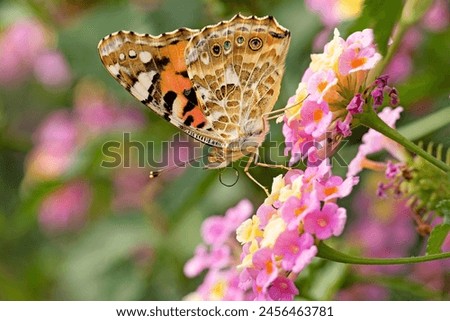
[139, 91]
[145, 78]
[122, 56]
[231, 76]
[132, 53]
[113, 69]
[191, 56]
[145, 56]
[204, 57]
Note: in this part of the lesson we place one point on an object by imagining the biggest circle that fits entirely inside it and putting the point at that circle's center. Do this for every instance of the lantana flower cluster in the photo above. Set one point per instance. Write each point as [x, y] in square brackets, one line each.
[279, 241]
[332, 91]
[219, 254]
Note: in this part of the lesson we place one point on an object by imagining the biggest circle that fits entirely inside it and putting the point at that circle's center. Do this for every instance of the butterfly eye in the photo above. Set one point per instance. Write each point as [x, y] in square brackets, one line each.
[227, 45]
[216, 49]
[240, 40]
[255, 43]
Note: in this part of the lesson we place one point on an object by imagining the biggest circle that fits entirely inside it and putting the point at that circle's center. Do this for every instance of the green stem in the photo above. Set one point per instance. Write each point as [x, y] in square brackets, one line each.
[370, 119]
[331, 254]
[413, 10]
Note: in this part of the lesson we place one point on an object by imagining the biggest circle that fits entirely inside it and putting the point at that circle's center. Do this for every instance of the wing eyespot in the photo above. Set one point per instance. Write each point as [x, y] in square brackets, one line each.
[255, 43]
[240, 41]
[216, 49]
[227, 46]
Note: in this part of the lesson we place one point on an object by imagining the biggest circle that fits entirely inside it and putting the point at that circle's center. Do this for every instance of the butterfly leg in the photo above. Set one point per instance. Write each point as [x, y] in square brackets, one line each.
[250, 161]
[274, 114]
[279, 166]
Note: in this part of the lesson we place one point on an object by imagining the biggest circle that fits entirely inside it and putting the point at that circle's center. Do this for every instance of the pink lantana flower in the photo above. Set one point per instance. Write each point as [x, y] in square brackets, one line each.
[326, 222]
[215, 230]
[331, 93]
[320, 82]
[275, 242]
[217, 255]
[336, 187]
[296, 251]
[282, 289]
[264, 263]
[316, 118]
[295, 209]
[219, 285]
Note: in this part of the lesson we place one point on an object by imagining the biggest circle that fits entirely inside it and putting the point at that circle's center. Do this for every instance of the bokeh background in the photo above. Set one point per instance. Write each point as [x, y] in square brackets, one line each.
[71, 229]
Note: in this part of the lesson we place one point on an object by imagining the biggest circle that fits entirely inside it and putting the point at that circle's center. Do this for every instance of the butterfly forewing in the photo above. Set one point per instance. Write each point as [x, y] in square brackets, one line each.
[153, 70]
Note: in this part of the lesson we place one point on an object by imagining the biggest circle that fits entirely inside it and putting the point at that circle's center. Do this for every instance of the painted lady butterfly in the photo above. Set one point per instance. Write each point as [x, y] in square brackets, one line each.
[217, 84]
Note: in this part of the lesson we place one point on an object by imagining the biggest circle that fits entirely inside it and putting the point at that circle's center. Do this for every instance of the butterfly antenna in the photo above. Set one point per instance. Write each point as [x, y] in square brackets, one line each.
[156, 173]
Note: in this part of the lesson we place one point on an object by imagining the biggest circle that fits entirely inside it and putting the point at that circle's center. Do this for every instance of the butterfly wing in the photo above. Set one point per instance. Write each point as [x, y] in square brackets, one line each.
[153, 70]
[236, 69]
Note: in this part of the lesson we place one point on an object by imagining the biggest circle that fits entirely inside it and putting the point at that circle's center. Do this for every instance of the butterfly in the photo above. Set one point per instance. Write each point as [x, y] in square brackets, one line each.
[216, 84]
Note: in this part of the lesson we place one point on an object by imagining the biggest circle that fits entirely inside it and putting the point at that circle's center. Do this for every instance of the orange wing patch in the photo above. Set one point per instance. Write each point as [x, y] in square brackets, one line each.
[177, 87]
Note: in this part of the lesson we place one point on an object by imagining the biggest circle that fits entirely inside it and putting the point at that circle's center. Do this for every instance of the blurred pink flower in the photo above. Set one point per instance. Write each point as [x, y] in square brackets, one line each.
[332, 12]
[432, 274]
[214, 230]
[55, 142]
[437, 17]
[52, 70]
[129, 188]
[97, 113]
[363, 292]
[220, 285]
[384, 230]
[24, 48]
[400, 66]
[58, 128]
[218, 255]
[20, 45]
[66, 208]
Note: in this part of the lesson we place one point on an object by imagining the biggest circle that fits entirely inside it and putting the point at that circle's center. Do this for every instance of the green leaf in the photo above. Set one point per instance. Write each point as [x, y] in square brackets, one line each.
[443, 207]
[381, 16]
[79, 41]
[328, 281]
[99, 265]
[437, 238]
[426, 125]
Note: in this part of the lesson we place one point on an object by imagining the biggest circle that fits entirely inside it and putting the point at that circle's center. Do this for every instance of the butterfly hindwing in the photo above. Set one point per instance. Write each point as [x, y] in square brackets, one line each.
[236, 68]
